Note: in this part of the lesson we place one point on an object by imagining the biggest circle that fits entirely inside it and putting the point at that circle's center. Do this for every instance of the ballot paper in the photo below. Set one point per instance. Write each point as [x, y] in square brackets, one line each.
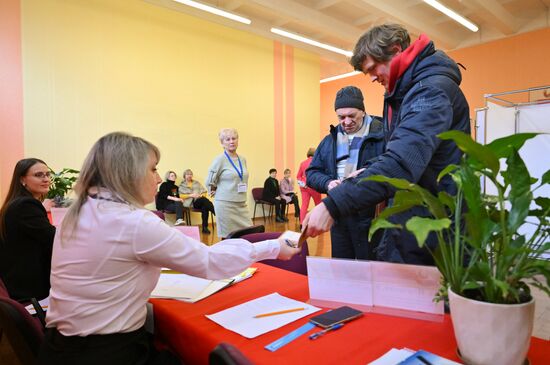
[191, 289]
[240, 318]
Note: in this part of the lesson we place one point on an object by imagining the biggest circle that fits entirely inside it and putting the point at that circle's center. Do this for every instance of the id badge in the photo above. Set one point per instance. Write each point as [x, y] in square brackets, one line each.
[241, 188]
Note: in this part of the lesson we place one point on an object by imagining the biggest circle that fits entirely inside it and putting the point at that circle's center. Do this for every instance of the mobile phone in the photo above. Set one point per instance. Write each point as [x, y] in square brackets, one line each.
[338, 315]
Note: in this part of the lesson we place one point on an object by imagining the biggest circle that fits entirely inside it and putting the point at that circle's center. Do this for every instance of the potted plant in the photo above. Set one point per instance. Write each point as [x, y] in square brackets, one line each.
[485, 255]
[61, 183]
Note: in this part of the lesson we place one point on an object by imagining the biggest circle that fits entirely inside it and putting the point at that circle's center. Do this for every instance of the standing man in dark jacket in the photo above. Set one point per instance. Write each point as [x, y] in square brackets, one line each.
[422, 99]
[272, 194]
[348, 147]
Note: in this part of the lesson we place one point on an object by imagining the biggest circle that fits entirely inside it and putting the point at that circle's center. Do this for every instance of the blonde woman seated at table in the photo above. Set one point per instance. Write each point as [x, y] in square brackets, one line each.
[193, 195]
[227, 181]
[108, 254]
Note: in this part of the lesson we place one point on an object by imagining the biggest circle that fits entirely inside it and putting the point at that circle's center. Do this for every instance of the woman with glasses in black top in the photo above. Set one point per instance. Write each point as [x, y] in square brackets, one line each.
[26, 235]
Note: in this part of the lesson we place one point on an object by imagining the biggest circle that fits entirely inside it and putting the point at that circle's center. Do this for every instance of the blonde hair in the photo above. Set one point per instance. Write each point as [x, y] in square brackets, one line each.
[117, 162]
[187, 171]
[226, 132]
[167, 175]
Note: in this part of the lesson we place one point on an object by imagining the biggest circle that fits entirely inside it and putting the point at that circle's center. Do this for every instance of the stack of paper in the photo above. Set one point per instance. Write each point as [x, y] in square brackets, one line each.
[191, 289]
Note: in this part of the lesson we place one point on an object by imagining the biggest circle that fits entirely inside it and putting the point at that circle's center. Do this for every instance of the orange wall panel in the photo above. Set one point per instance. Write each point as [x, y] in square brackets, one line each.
[11, 92]
[514, 63]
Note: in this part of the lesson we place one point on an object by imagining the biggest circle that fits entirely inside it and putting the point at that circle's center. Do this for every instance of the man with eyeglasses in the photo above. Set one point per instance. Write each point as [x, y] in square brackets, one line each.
[348, 147]
[422, 100]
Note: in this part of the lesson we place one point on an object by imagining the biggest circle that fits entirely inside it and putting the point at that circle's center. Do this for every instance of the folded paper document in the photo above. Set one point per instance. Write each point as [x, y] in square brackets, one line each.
[191, 289]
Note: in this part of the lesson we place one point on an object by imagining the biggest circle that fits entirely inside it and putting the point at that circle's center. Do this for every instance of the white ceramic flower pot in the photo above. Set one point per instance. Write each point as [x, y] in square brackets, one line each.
[489, 334]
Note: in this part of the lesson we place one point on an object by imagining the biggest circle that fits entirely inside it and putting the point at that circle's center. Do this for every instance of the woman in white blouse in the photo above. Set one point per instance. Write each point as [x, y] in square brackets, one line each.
[108, 253]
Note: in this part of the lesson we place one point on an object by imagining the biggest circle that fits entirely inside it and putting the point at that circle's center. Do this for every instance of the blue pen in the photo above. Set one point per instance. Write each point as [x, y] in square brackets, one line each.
[320, 333]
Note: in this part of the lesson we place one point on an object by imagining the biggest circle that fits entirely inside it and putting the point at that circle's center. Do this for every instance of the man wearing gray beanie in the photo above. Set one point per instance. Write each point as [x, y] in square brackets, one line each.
[348, 147]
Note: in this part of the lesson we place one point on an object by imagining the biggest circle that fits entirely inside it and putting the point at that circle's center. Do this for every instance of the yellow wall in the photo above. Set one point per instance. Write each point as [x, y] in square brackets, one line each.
[95, 66]
[509, 64]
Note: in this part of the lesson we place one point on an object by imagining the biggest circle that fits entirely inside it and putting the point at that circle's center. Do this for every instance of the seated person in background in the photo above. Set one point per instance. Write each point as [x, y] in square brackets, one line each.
[272, 194]
[168, 199]
[26, 235]
[108, 254]
[194, 194]
[287, 192]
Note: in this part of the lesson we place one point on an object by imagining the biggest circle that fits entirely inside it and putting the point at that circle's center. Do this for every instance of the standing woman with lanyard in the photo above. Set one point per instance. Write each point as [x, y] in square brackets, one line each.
[228, 182]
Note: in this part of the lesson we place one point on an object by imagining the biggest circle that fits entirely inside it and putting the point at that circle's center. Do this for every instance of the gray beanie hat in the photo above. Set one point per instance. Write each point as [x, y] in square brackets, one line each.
[349, 97]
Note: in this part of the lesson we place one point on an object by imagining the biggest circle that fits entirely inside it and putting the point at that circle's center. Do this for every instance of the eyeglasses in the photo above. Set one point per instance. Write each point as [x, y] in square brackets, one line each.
[41, 175]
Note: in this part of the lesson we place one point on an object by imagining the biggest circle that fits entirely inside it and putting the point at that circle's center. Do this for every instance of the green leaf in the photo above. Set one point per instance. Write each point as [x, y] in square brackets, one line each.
[403, 200]
[381, 224]
[545, 178]
[450, 168]
[520, 193]
[474, 150]
[421, 227]
[447, 199]
[502, 147]
[398, 183]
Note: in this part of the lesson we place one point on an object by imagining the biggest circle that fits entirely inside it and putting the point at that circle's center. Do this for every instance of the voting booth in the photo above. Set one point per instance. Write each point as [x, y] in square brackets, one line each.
[521, 111]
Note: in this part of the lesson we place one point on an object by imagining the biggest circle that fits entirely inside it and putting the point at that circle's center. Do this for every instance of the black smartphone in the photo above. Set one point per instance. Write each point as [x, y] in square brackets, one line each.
[338, 315]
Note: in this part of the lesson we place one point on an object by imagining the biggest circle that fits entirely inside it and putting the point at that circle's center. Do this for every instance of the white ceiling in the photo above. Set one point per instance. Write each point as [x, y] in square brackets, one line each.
[341, 22]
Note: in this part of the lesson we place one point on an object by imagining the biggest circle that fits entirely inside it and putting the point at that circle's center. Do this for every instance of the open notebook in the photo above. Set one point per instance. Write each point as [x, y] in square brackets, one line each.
[191, 289]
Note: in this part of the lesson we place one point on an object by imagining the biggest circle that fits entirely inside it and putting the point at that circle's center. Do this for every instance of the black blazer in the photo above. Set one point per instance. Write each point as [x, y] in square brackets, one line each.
[26, 252]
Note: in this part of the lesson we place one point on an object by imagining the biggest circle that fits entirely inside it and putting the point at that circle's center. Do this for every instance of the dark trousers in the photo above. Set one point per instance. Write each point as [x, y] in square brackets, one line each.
[205, 207]
[132, 348]
[349, 238]
[296, 203]
[175, 207]
[280, 206]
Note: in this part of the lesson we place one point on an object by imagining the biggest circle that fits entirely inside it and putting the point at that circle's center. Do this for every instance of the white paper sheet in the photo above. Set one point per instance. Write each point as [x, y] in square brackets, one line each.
[392, 357]
[240, 319]
[44, 303]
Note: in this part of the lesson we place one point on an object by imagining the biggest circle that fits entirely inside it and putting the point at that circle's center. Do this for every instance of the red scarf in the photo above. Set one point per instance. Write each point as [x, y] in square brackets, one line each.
[403, 60]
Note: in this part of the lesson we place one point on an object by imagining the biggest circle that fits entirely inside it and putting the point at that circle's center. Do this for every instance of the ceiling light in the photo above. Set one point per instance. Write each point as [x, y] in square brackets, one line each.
[312, 42]
[452, 14]
[214, 10]
[332, 78]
